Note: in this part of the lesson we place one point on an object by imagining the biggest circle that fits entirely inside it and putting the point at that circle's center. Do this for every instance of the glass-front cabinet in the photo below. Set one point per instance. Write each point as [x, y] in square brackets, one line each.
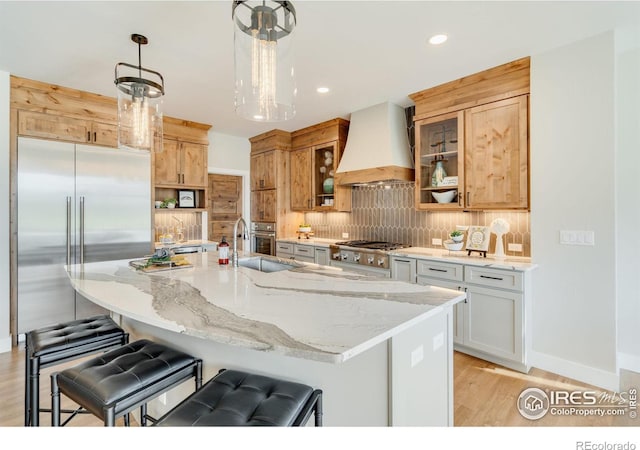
[440, 162]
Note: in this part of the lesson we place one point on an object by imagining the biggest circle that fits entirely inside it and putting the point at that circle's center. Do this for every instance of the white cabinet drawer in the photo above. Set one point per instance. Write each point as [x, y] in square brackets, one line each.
[284, 247]
[440, 270]
[502, 279]
[304, 250]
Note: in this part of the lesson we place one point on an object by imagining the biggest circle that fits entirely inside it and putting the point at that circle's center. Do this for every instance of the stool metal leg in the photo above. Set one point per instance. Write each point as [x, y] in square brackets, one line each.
[55, 401]
[27, 384]
[143, 415]
[318, 411]
[109, 417]
[34, 388]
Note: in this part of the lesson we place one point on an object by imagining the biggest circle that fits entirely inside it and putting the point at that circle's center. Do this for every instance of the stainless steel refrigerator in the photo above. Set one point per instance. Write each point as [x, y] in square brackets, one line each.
[76, 203]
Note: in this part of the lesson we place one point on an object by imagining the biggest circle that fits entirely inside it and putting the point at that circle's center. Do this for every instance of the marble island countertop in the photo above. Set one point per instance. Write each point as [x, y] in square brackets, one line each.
[311, 312]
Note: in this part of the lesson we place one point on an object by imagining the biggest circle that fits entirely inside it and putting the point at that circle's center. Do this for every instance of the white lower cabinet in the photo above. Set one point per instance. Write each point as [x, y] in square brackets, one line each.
[403, 269]
[491, 323]
[322, 256]
[303, 252]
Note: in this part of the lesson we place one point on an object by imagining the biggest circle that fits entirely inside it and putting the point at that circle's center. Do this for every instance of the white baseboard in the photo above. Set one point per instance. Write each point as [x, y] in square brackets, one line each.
[5, 344]
[579, 372]
[629, 362]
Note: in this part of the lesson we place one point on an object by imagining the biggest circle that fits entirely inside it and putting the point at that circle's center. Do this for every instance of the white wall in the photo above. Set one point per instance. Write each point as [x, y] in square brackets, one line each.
[573, 188]
[5, 337]
[230, 155]
[627, 196]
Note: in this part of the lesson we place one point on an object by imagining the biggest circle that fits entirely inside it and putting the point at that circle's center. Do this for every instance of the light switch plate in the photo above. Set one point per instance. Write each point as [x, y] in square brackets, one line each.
[577, 237]
[436, 241]
[345, 235]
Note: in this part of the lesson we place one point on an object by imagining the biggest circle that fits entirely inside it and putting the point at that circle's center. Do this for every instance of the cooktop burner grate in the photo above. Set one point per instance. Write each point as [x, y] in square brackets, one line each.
[372, 245]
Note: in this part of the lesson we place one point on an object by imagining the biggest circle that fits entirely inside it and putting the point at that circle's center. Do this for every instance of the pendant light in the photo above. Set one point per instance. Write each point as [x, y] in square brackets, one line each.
[265, 87]
[139, 104]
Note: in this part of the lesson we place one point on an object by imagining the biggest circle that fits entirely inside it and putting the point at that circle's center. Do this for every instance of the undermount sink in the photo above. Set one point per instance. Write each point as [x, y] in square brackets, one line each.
[265, 264]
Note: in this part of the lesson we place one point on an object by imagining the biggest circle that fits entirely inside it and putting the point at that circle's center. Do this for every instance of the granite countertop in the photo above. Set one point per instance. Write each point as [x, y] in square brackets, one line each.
[312, 312]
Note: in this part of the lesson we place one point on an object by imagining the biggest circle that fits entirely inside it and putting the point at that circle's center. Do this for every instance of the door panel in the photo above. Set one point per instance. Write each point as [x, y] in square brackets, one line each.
[115, 189]
[45, 185]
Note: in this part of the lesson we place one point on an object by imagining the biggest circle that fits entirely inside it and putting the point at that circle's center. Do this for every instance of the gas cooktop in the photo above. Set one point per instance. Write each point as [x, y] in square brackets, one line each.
[372, 245]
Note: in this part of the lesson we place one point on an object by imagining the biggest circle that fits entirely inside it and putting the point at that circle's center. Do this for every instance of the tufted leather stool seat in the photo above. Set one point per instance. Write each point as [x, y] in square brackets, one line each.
[114, 383]
[63, 342]
[235, 398]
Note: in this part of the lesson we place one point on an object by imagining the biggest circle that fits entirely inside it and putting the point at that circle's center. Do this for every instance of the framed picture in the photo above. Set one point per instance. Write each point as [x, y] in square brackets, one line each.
[186, 199]
[478, 239]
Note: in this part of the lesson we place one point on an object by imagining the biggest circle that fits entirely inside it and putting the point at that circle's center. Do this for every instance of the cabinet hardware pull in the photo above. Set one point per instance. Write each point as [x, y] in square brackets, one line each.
[68, 231]
[491, 278]
[88, 136]
[436, 270]
[95, 137]
[82, 230]
[403, 260]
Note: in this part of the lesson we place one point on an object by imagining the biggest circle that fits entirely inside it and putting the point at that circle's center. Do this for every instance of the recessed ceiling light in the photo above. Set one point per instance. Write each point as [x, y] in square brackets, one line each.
[437, 39]
[322, 90]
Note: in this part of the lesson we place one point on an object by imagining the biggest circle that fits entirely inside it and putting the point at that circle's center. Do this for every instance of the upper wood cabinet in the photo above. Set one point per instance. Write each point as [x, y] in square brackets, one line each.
[301, 181]
[270, 191]
[486, 114]
[315, 157]
[62, 128]
[263, 171]
[496, 160]
[181, 163]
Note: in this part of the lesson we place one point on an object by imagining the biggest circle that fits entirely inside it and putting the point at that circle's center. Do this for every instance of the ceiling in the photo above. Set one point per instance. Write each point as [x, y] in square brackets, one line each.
[366, 52]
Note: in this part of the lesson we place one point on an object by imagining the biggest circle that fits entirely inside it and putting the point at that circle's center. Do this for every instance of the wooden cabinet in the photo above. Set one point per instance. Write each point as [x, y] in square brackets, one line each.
[440, 162]
[478, 128]
[263, 206]
[63, 128]
[315, 157]
[181, 163]
[497, 157]
[225, 204]
[263, 171]
[301, 180]
[270, 190]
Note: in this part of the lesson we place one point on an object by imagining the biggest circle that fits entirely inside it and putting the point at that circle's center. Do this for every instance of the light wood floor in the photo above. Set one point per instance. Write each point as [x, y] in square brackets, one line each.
[484, 395]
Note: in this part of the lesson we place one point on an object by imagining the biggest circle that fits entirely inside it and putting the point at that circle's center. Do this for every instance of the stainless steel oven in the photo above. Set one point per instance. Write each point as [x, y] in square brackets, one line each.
[263, 238]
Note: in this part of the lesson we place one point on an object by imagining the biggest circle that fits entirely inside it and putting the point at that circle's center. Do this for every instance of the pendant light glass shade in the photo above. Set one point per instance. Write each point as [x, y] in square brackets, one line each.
[139, 105]
[265, 85]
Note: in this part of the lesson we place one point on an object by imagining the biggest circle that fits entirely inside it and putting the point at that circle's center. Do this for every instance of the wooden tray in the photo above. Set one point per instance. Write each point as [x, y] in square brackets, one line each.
[141, 265]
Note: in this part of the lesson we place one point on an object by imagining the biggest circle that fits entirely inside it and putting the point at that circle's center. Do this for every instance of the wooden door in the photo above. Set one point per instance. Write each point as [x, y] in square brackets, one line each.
[193, 164]
[496, 155]
[301, 180]
[225, 205]
[167, 164]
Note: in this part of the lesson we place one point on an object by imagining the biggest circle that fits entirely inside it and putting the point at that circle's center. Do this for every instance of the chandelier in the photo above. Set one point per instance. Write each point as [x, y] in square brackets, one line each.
[265, 87]
[139, 104]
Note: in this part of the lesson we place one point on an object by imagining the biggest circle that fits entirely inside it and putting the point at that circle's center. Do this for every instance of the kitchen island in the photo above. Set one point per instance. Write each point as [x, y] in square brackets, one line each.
[381, 350]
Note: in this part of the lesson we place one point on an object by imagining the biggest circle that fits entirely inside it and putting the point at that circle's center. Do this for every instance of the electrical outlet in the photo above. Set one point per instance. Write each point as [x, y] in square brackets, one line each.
[345, 235]
[436, 241]
[163, 398]
[514, 247]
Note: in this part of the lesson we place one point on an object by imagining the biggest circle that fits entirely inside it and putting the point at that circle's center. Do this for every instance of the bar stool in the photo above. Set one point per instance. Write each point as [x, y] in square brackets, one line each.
[236, 398]
[114, 383]
[59, 343]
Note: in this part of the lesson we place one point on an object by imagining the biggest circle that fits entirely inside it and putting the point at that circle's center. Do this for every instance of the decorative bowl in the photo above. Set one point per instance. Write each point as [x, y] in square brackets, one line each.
[450, 245]
[444, 197]
[304, 229]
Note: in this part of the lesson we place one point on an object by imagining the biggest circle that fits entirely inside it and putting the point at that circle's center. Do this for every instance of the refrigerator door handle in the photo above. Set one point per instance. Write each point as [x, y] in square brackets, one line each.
[68, 231]
[82, 229]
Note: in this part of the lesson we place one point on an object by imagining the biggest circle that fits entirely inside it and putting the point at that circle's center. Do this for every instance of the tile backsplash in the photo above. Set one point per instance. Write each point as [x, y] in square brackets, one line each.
[165, 222]
[389, 214]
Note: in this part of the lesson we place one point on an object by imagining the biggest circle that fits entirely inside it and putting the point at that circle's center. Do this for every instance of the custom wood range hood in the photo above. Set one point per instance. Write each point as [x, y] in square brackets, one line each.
[377, 147]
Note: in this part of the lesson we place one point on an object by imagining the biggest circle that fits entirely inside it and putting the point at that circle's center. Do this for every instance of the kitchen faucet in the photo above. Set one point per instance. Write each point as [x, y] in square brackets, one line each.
[234, 256]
